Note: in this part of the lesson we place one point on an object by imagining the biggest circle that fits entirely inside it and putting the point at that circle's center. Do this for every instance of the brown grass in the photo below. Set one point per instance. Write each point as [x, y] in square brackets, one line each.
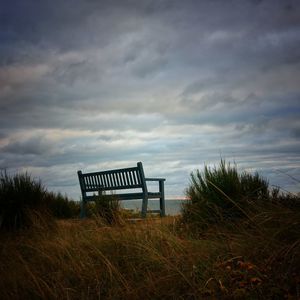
[154, 259]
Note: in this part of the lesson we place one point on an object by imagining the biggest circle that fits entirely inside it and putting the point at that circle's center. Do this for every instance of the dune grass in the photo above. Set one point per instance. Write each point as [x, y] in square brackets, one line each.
[23, 199]
[248, 255]
[85, 260]
[154, 259]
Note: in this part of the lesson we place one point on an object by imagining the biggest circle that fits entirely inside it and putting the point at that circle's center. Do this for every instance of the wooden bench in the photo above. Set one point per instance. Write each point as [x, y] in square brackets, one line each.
[121, 179]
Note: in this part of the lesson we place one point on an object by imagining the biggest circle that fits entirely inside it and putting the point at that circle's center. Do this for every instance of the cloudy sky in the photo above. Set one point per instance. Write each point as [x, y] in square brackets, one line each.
[95, 85]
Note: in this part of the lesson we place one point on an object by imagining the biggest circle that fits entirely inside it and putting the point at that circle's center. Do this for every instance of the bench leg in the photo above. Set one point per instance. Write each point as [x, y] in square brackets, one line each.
[144, 207]
[83, 209]
[162, 207]
[162, 203]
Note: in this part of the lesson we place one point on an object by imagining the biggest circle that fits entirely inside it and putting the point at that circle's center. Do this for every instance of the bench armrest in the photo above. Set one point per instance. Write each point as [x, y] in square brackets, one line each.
[155, 179]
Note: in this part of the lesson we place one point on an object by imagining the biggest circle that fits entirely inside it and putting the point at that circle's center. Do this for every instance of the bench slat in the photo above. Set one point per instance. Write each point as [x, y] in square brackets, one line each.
[135, 177]
[110, 180]
[90, 188]
[128, 196]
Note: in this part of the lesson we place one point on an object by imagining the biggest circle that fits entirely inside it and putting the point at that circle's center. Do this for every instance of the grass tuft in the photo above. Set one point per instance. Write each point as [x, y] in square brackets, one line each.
[220, 194]
[19, 196]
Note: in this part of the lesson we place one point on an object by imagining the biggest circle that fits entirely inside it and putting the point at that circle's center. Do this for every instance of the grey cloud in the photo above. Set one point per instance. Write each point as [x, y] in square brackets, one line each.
[296, 132]
[171, 83]
[35, 146]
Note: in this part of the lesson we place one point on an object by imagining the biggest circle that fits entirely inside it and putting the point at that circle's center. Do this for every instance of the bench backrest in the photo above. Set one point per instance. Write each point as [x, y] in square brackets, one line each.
[129, 178]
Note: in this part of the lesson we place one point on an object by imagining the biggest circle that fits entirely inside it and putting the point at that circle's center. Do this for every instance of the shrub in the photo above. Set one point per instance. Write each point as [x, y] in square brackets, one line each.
[221, 193]
[24, 200]
[20, 196]
[61, 206]
[108, 208]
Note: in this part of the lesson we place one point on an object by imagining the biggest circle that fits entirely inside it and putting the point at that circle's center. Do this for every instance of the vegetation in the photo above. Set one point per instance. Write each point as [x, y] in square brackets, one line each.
[244, 251]
[107, 208]
[24, 200]
[20, 197]
[223, 195]
[62, 207]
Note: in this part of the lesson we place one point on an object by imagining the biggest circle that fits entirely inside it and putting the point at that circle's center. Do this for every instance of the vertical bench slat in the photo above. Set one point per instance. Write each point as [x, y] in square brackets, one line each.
[130, 178]
[106, 180]
[111, 179]
[123, 179]
[139, 177]
[117, 179]
[114, 179]
[127, 177]
[87, 184]
[98, 180]
[102, 180]
[120, 179]
[90, 182]
[93, 182]
[136, 177]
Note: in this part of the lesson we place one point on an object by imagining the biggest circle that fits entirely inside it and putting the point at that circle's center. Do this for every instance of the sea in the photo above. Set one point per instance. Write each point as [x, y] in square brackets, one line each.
[173, 206]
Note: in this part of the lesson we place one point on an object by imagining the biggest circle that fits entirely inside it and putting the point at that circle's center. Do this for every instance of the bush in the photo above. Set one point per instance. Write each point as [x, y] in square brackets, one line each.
[221, 193]
[61, 206]
[108, 208]
[20, 196]
[24, 200]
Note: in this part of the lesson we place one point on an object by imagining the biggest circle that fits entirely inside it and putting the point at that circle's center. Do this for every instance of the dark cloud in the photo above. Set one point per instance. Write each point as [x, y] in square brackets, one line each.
[35, 146]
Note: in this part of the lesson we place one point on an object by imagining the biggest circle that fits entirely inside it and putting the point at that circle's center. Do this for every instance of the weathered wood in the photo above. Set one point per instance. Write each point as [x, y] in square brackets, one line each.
[121, 179]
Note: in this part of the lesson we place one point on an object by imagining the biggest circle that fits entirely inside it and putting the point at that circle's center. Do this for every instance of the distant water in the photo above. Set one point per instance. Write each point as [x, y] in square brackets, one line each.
[172, 205]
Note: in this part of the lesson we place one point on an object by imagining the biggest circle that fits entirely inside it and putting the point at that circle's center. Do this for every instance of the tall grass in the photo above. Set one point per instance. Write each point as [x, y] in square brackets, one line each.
[20, 196]
[154, 260]
[23, 200]
[219, 194]
[260, 226]
[62, 207]
[85, 261]
[107, 208]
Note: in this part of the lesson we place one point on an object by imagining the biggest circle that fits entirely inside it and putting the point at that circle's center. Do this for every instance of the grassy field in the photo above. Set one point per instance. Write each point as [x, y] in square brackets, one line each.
[248, 255]
[152, 259]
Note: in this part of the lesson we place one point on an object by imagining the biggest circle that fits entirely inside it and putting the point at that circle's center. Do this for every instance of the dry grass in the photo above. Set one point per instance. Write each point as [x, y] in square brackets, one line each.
[83, 260]
[152, 259]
